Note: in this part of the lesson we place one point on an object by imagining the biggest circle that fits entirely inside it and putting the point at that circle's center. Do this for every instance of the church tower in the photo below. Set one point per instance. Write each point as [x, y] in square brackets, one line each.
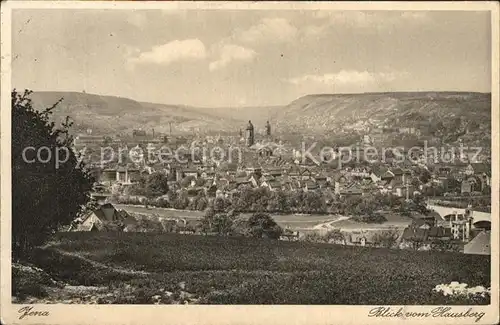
[249, 134]
[268, 129]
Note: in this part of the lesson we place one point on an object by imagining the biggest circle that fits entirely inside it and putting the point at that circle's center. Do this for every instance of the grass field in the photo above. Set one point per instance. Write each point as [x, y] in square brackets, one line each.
[230, 270]
[293, 221]
[296, 221]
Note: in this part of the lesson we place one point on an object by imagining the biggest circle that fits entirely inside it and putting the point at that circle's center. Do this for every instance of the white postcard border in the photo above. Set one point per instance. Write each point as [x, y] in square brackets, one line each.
[178, 314]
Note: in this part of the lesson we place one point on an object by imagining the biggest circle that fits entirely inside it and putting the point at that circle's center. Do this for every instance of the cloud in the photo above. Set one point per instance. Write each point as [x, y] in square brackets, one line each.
[346, 77]
[136, 18]
[368, 20]
[190, 49]
[269, 29]
[230, 53]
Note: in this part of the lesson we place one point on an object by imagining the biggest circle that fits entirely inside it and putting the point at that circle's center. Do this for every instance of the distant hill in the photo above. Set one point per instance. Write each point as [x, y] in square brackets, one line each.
[109, 114]
[328, 112]
[451, 113]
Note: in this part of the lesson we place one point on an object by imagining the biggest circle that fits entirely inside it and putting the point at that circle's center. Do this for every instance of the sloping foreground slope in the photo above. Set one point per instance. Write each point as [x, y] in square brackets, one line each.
[232, 270]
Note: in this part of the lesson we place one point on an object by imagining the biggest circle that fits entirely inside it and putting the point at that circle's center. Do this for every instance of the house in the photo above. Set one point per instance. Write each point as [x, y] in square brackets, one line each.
[265, 151]
[190, 172]
[442, 170]
[360, 172]
[253, 170]
[415, 237]
[254, 180]
[478, 169]
[271, 185]
[419, 223]
[187, 226]
[275, 172]
[127, 175]
[292, 185]
[439, 233]
[100, 197]
[108, 175]
[479, 245]
[381, 173]
[474, 183]
[351, 189]
[239, 182]
[305, 174]
[290, 235]
[429, 220]
[321, 180]
[310, 186]
[98, 219]
[467, 186]
[400, 175]
[401, 190]
[359, 239]
[207, 174]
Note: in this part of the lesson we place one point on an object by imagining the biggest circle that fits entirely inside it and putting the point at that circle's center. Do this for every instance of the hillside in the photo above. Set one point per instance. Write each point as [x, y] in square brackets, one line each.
[146, 268]
[109, 114]
[330, 112]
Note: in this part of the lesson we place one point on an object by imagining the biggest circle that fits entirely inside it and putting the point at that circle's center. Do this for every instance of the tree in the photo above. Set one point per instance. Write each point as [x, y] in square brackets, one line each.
[386, 238]
[219, 223]
[240, 227]
[425, 175]
[156, 185]
[221, 204]
[262, 225]
[186, 181]
[335, 236]
[314, 237]
[181, 202]
[48, 191]
[201, 204]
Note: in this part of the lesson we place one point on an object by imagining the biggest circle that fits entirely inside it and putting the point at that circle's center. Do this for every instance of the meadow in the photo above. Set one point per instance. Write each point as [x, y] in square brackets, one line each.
[295, 221]
[135, 267]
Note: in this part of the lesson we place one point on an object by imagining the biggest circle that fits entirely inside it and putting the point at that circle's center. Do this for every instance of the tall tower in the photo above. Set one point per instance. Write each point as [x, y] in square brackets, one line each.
[249, 134]
[268, 129]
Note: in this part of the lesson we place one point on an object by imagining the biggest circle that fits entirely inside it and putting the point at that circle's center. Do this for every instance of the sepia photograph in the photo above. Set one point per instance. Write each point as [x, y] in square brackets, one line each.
[249, 154]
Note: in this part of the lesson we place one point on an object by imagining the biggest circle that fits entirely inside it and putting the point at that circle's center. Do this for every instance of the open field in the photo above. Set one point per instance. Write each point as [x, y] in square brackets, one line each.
[295, 221]
[140, 267]
[292, 221]
[162, 212]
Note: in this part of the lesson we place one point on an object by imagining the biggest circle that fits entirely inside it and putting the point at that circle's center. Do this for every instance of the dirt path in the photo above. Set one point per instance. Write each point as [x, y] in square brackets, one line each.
[99, 264]
[330, 224]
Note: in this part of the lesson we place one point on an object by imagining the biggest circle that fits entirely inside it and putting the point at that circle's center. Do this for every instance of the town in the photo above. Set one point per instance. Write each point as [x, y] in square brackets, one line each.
[420, 202]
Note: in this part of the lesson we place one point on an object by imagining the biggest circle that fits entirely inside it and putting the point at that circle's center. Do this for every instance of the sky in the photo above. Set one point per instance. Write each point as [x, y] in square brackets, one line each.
[226, 58]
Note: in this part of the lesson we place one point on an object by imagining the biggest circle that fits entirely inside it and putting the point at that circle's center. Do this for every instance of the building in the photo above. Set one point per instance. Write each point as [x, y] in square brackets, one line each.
[138, 133]
[87, 139]
[127, 175]
[249, 136]
[268, 129]
[461, 225]
[102, 217]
